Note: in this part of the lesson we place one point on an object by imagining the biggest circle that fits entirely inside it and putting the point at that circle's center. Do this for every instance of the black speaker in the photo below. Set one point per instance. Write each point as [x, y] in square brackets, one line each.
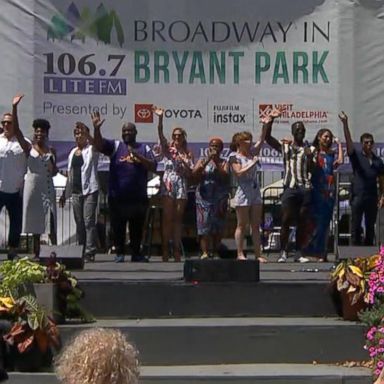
[353, 251]
[221, 270]
[70, 256]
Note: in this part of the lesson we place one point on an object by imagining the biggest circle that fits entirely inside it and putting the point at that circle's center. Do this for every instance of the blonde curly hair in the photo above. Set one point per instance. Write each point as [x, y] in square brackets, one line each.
[98, 356]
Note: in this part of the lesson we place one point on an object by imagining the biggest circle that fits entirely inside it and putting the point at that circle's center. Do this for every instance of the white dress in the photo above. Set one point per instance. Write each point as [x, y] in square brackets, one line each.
[39, 198]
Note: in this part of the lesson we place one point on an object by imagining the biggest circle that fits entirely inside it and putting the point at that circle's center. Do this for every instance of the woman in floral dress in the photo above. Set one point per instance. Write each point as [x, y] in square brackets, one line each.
[178, 163]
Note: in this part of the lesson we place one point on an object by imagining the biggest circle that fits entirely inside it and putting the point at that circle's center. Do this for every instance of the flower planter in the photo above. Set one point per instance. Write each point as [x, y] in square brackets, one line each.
[349, 311]
[46, 295]
[32, 360]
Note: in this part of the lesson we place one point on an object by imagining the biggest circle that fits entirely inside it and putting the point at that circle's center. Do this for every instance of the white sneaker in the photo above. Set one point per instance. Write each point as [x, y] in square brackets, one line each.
[299, 258]
[283, 257]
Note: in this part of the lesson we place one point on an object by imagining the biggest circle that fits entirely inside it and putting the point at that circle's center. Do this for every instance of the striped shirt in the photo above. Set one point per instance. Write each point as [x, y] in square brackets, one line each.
[296, 173]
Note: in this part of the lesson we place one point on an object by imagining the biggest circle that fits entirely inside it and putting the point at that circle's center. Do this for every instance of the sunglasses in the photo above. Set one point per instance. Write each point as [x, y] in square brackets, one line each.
[368, 142]
[177, 135]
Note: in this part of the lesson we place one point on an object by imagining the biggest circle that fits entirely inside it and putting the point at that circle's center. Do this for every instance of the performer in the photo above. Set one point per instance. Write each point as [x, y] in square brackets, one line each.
[323, 191]
[82, 185]
[178, 163]
[13, 165]
[212, 195]
[247, 197]
[130, 162]
[296, 198]
[39, 200]
[367, 169]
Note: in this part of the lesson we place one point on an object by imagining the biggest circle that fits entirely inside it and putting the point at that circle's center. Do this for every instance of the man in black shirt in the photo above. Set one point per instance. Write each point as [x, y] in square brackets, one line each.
[367, 169]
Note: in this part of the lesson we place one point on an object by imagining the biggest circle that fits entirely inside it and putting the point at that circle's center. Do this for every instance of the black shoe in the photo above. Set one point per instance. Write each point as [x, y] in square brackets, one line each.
[139, 259]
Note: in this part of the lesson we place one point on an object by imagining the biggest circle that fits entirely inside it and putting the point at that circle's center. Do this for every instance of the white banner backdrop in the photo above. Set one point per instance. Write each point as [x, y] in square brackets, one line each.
[216, 66]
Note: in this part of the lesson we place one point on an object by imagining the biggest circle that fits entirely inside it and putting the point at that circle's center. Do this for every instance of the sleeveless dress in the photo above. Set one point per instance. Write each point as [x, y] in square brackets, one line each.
[174, 181]
[39, 199]
[211, 201]
[248, 189]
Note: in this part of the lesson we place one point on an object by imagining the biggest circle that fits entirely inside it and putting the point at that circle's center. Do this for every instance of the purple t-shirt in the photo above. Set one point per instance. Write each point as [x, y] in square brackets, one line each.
[127, 180]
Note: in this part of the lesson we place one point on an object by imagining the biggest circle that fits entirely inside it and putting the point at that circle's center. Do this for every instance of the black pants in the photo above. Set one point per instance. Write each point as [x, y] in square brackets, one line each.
[134, 213]
[367, 206]
[14, 204]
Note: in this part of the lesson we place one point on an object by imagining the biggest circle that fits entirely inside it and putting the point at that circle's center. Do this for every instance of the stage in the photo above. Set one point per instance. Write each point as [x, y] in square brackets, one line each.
[271, 331]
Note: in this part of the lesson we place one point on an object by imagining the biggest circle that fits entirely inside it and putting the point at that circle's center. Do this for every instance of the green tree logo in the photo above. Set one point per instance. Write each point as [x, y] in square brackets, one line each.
[76, 25]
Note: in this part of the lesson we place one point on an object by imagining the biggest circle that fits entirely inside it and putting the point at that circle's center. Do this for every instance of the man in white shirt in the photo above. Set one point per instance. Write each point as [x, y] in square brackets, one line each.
[13, 165]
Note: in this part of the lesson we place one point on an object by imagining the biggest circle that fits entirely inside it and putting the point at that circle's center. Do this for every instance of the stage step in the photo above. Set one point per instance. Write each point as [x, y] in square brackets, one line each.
[231, 374]
[151, 299]
[238, 340]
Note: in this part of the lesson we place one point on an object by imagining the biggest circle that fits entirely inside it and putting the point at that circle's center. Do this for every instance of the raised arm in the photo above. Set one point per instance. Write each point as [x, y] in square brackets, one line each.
[97, 122]
[261, 140]
[25, 145]
[340, 156]
[347, 134]
[160, 128]
[267, 125]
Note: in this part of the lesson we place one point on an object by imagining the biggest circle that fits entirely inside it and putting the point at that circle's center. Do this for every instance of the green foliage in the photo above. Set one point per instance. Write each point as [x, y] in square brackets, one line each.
[16, 275]
[36, 316]
[372, 316]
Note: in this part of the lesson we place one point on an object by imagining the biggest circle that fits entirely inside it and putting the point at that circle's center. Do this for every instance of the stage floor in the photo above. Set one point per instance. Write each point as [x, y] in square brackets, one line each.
[104, 268]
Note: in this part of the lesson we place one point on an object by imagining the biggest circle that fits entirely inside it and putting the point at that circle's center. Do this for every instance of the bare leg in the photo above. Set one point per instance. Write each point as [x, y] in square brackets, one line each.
[167, 224]
[204, 244]
[177, 227]
[242, 215]
[255, 225]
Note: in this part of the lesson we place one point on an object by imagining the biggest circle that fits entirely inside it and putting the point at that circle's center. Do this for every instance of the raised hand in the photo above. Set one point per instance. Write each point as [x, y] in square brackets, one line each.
[343, 117]
[275, 113]
[266, 119]
[16, 100]
[96, 120]
[336, 140]
[158, 110]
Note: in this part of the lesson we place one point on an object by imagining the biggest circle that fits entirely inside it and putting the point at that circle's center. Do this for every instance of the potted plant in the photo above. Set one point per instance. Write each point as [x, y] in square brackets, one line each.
[55, 287]
[32, 336]
[349, 283]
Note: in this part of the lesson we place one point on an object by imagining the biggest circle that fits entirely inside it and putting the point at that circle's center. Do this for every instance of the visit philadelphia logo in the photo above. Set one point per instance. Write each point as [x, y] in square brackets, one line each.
[78, 24]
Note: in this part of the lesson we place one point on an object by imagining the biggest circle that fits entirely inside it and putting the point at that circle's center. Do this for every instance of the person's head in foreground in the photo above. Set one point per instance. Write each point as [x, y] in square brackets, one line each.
[98, 356]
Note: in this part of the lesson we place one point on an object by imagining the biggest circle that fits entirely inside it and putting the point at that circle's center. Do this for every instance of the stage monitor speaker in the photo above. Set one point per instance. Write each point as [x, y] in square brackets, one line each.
[353, 251]
[221, 270]
[70, 256]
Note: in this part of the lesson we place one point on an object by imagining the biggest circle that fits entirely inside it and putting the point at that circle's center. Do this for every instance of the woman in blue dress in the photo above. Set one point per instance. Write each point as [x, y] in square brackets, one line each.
[323, 192]
[212, 195]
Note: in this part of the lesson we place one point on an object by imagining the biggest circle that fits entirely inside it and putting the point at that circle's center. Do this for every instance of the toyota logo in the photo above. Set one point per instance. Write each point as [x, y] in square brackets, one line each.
[144, 113]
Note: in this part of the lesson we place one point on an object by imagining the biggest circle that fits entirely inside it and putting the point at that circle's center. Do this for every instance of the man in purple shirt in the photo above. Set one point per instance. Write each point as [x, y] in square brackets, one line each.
[130, 162]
